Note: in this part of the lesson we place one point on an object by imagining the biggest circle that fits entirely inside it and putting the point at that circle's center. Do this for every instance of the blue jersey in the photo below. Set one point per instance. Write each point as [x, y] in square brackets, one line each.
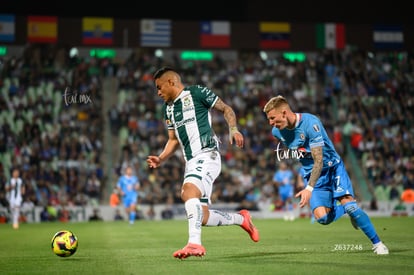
[308, 133]
[128, 186]
[284, 177]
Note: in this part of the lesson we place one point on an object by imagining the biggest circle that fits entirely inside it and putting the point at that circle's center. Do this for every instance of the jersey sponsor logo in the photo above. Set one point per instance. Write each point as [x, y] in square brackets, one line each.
[188, 109]
[185, 121]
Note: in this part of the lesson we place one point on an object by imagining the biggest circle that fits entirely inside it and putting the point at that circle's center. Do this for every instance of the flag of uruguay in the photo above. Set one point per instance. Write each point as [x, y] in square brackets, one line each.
[388, 37]
[155, 33]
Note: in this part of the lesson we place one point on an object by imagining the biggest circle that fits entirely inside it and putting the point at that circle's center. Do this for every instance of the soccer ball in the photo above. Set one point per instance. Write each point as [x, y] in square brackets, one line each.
[64, 243]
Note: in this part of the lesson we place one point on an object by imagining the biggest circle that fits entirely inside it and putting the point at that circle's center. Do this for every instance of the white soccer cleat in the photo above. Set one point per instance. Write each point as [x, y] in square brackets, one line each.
[380, 249]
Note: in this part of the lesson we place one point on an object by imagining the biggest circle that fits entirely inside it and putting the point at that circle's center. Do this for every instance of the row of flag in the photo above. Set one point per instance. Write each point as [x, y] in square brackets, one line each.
[213, 34]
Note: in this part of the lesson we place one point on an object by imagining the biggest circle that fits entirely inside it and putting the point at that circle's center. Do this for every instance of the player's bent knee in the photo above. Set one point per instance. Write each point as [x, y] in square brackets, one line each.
[325, 220]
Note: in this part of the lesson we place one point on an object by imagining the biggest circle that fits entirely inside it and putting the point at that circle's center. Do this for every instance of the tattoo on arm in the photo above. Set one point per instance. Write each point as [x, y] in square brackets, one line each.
[317, 156]
[227, 111]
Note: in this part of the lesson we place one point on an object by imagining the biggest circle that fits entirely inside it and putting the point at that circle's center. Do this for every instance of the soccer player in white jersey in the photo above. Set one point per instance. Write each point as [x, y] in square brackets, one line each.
[188, 119]
[14, 192]
[328, 182]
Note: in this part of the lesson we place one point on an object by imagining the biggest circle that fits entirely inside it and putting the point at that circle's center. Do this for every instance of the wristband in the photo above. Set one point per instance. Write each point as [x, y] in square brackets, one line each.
[309, 188]
[233, 129]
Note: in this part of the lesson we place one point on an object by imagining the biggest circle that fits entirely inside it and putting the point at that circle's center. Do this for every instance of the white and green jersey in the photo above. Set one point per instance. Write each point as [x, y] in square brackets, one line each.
[189, 116]
[15, 195]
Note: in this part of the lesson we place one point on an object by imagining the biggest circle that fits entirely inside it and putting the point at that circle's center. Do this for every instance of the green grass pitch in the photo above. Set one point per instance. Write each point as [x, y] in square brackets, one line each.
[286, 247]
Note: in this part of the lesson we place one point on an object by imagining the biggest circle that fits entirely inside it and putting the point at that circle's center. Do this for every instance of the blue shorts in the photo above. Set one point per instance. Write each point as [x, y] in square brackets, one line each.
[332, 184]
[129, 200]
[286, 192]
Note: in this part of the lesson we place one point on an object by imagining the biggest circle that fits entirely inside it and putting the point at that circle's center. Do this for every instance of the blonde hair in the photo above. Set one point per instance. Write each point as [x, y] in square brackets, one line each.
[274, 103]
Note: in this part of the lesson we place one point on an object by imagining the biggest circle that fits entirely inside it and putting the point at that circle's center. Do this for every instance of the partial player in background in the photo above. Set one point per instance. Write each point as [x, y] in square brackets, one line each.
[284, 178]
[15, 190]
[128, 186]
[328, 181]
[188, 119]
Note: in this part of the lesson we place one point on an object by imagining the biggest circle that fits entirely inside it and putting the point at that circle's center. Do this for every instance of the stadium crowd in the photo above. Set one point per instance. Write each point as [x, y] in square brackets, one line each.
[364, 100]
[54, 134]
[48, 129]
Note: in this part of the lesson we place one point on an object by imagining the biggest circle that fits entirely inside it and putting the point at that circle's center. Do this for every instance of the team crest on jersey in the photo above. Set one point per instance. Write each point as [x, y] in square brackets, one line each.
[302, 136]
[186, 102]
[316, 128]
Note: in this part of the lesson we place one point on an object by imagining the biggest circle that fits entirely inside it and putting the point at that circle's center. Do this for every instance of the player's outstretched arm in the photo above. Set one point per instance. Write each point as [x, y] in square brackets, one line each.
[230, 117]
[170, 147]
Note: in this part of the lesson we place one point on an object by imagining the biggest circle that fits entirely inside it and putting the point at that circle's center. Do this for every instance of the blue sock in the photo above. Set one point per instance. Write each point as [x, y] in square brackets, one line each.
[312, 219]
[339, 211]
[132, 215]
[362, 220]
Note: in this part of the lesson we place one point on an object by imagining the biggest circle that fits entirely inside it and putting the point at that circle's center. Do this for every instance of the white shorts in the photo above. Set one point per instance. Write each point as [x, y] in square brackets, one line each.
[202, 171]
[15, 202]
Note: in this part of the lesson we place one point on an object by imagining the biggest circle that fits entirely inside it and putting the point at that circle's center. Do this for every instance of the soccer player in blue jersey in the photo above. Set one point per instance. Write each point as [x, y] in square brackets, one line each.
[128, 185]
[285, 180]
[303, 137]
[188, 119]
